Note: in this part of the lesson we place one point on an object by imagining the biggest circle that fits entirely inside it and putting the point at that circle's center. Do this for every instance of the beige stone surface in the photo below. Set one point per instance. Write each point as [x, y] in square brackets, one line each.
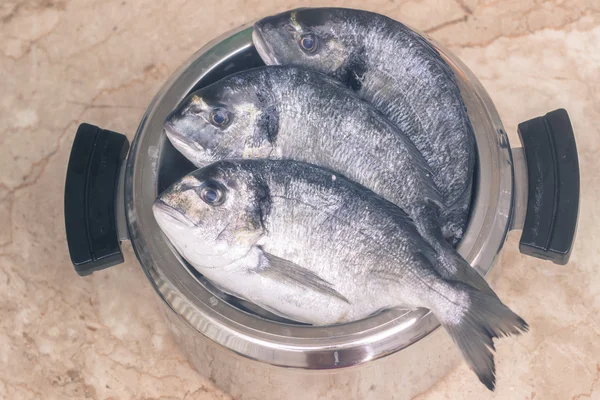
[101, 61]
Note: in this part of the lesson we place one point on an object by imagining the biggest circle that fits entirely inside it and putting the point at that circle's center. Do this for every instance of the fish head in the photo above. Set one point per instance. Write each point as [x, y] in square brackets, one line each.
[217, 122]
[212, 216]
[311, 37]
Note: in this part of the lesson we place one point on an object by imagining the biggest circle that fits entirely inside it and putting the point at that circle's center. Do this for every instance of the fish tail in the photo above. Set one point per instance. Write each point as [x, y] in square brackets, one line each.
[460, 270]
[448, 262]
[473, 319]
[454, 216]
[454, 223]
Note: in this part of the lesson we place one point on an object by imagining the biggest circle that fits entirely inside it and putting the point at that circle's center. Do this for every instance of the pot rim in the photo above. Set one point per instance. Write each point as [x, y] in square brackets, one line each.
[294, 345]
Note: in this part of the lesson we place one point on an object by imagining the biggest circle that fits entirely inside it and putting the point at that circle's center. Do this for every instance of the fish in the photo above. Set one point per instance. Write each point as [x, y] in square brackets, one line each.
[310, 245]
[400, 73]
[283, 112]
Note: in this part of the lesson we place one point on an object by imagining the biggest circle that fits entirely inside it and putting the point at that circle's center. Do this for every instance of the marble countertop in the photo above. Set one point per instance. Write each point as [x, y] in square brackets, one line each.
[102, 337]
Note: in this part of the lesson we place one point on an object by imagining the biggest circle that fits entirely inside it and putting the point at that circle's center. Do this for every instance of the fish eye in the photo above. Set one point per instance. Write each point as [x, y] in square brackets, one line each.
[309, 43]
[219, 117]
[212, 194]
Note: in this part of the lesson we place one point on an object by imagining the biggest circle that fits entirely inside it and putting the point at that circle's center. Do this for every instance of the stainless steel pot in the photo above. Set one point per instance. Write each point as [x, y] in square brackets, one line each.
[252, 354]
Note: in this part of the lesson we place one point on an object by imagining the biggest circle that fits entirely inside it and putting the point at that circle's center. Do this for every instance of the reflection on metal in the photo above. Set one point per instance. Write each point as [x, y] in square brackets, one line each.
[521, 184]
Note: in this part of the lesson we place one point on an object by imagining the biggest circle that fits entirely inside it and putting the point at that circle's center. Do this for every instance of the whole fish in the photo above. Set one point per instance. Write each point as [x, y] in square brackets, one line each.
[307, 244]
[283, 112]
[396, 70]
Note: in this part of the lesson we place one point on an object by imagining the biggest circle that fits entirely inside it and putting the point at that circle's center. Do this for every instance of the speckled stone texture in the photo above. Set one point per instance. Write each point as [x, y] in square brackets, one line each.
[103, 337]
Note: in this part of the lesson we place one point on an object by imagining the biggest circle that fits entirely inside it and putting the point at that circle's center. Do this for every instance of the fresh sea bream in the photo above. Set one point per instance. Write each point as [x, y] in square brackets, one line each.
[397, 71]
[283, 112]
[310, 245]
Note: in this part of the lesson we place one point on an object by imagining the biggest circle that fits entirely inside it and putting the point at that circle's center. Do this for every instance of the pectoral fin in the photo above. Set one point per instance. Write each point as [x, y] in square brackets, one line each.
[283, 270]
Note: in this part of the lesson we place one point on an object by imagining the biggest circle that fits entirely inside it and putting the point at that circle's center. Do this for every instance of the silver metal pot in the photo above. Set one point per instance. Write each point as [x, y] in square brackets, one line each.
[254, 355]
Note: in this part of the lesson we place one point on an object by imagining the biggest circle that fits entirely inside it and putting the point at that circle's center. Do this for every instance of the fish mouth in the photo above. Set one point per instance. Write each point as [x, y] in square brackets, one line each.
[184, 145]
[163, 209]
[265, 51]
[172, 133]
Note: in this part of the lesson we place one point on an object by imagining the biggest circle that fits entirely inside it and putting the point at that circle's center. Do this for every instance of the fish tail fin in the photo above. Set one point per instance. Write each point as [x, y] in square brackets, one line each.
[481, 318]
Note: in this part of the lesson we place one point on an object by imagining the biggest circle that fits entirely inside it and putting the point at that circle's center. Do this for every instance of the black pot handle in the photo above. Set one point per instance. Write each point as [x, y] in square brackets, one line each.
[91, 196]
[553, 193]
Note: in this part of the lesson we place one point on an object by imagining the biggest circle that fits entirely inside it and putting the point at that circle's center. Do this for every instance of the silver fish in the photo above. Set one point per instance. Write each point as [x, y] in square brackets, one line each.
[396, 70]
[283, 112]
[307, 244]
